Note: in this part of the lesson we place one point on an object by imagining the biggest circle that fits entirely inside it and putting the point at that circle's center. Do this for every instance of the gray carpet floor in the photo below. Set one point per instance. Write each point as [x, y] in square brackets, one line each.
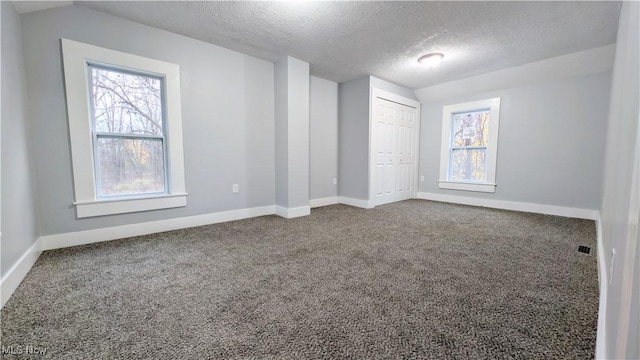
[414, 279]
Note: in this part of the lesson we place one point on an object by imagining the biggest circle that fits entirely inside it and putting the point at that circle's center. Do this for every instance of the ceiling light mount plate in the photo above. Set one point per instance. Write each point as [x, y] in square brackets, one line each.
[431, 60]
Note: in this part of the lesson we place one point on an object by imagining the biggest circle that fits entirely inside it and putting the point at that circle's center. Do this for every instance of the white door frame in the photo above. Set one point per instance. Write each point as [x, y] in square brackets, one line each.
[381, 94]
[629, 277]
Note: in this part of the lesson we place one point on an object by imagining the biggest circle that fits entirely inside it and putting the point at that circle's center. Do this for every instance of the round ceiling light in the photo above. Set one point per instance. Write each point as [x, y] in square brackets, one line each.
[431, 60]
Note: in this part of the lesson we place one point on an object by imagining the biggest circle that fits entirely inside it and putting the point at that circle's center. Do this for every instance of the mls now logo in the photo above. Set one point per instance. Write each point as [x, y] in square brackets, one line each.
[26, 350]
[11, 350]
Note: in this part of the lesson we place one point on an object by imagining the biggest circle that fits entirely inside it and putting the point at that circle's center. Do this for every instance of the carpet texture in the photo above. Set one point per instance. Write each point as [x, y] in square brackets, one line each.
[414, 279]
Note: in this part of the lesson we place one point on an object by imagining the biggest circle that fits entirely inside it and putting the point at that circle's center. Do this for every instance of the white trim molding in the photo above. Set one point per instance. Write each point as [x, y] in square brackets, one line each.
[115, 206]
[290, 213]
[77, 57]
[491, 149]
[12, 279]
[603, 280]
[364, 204]
[57, 241]
[382, 94]
[578, 213]
[465, 186]
[331, 200]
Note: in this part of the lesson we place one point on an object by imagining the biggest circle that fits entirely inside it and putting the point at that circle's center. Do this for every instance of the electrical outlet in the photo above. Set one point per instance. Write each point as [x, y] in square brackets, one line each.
[235, 188]
[335, 181]
[421, 178]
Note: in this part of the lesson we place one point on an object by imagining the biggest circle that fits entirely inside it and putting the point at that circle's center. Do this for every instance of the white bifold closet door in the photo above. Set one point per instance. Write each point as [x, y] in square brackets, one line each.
[395, 146]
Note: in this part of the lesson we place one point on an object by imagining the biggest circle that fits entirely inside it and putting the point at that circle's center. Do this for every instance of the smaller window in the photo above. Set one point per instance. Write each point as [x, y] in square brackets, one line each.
[469, 146]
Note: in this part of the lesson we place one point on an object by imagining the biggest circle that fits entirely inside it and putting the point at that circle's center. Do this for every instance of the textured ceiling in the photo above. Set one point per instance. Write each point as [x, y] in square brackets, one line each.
[348, 40]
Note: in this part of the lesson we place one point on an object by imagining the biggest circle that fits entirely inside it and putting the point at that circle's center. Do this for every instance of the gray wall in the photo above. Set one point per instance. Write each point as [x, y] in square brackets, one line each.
[550, 146]
[19, 215]
[353, 139]
[618, 219]
[298, 133]
[323, 138]
[292, 133]
[281, 133]
[393, 88]
[227, 108]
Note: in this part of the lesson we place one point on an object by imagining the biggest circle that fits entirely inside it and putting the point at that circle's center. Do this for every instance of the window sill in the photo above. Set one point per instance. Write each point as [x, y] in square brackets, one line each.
[93, 208]
[453, 185]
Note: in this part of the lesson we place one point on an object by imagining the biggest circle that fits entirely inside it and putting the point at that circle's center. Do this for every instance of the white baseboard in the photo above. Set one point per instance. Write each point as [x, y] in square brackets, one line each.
[512, 205]
[57, 241]
[603, 279]
[365, 204]
[290, 213]
[323, 201]
[18, 271]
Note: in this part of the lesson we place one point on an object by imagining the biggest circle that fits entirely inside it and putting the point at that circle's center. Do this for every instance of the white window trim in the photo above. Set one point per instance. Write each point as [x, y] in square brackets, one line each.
[76, 56]
[493, 105]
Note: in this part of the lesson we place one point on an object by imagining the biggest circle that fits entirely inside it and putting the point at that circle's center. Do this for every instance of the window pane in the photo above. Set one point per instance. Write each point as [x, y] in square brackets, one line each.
[468, 165]
[126, 103]
[130, 166]
[471, 128]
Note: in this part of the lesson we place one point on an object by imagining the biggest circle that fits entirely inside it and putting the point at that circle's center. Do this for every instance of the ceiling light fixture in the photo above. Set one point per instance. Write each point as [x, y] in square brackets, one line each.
[431, 60]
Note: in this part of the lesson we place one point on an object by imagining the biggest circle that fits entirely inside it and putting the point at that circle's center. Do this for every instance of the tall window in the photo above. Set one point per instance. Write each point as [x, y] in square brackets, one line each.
[125, 128]
[469, 140]
[129, 132]
[469, 146]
